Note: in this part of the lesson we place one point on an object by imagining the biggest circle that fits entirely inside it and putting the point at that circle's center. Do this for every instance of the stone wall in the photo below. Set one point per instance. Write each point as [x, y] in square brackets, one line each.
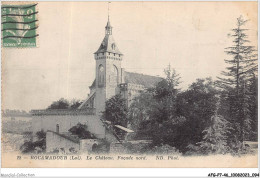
[116, 147]
[65, 122]
[86, 145]
[55, 141]
[100, 91]
[112, 78]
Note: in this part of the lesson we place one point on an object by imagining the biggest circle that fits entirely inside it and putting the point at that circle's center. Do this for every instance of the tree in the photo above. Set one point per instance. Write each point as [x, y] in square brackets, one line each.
[172, 77]
[235, 82]
[65, 104]
[74, 104]
[165, 93]
[253, 107]
[81, 130]
[60, 104]
[215, 136]
[197, 104]
[116, 110]
[38, 145]
[153, 112]
[243, 62]
[139, 115]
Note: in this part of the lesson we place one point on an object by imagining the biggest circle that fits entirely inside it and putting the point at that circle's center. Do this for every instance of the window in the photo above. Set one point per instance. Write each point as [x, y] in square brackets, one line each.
[113, 46]
[101, 75]
[114, 76]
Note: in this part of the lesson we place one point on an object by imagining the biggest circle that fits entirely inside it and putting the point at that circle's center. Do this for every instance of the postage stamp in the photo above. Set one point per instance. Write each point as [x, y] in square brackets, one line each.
[19, 25]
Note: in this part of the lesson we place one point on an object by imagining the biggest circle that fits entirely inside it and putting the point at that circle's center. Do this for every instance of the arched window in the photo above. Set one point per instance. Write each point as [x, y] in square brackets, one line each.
[101, 75]
[114, 76]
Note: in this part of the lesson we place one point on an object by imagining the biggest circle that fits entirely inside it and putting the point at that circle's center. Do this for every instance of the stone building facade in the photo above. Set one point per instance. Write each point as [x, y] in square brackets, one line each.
[65, 119]
[111, 78]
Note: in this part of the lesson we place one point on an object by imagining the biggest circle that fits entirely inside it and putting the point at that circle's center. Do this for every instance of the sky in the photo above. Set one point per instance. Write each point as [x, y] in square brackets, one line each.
[190, 36]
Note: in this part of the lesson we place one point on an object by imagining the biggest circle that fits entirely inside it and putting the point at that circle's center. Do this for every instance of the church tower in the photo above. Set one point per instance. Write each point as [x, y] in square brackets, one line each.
[108, 69]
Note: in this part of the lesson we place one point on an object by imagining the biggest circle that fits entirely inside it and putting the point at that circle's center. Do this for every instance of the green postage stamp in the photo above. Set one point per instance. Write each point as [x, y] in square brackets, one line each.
[19, 25]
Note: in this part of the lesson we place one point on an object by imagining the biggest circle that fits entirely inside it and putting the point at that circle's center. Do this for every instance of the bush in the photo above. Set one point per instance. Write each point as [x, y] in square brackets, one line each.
[38, 146]
[27, 147]
[81, 131]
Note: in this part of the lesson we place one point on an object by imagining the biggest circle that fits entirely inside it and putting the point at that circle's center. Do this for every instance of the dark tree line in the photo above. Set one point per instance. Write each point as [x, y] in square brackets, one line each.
[65, 104]
[209, 117]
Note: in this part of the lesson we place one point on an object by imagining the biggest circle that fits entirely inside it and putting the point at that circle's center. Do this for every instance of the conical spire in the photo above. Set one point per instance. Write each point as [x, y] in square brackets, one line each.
[108, 44]
[108, 26]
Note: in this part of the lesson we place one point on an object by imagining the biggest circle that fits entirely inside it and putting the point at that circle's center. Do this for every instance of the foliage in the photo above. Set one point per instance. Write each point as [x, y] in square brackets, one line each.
[253, 107]
[60, 104]
[81, 130]
[197, 105]
[116, 111]
[215, 136]
[41, 135]
[153, 115]
[239, 87]
[210, 117]
[65, 104]
[38, 146]
[74, 104]
[27, 147]
[174, 118]
[139, 112]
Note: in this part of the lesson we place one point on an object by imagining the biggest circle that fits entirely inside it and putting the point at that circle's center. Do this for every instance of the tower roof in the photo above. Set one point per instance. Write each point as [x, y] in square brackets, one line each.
[108, 45]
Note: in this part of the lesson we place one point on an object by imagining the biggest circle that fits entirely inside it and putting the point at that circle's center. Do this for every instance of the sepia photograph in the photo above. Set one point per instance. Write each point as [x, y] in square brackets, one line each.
[129, 84]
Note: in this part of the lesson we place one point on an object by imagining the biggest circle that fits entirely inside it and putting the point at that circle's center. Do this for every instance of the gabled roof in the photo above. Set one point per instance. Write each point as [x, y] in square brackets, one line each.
[147, 81]
[108, 45]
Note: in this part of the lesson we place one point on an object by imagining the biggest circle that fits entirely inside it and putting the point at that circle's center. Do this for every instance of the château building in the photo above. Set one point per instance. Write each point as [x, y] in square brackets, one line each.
[111, 78]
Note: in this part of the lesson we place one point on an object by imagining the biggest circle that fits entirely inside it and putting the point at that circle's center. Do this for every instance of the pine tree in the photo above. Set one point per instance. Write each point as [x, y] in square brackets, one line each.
[215, 136]
[243, 62]
[235, 81]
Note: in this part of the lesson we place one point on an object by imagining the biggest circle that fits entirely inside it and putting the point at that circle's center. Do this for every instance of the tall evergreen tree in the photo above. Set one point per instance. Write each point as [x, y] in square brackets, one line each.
[235, 81]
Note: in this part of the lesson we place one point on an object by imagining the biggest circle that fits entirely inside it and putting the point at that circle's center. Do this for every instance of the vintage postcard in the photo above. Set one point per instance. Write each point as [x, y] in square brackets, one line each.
[129, 85]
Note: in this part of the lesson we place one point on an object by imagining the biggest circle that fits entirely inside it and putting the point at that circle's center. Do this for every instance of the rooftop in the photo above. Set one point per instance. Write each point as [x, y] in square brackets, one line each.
[87, 111]
[108, 45]
[147, 81]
